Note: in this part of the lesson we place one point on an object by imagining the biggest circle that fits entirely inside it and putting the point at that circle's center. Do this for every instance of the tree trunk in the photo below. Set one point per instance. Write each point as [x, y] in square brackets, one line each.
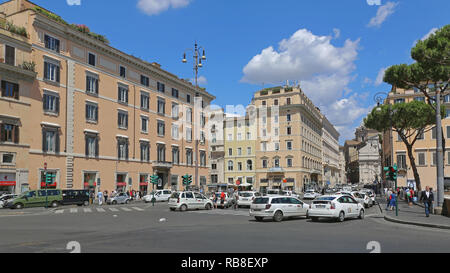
[414, 167]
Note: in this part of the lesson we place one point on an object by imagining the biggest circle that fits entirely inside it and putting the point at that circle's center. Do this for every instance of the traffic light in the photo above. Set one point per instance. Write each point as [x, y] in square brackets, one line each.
[391, 172]
[49, 178]
[187, 179]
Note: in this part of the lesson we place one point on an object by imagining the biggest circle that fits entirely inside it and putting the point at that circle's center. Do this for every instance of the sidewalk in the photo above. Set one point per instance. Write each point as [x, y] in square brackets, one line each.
[414, 215]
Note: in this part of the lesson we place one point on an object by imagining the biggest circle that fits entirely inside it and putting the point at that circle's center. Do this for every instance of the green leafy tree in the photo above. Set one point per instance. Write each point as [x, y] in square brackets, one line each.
[409, 120]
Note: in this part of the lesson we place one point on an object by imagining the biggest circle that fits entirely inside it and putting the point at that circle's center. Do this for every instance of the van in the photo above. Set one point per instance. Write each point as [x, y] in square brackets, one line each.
[36, 198]
[75, 197]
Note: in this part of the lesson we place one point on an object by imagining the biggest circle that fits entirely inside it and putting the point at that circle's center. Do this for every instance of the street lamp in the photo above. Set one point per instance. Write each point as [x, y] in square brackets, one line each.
[197, 64]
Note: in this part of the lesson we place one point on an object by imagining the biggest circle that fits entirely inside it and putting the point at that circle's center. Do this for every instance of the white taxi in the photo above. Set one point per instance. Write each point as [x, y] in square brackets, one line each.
[277, 207]
[246, 198]
[186, 200]
[338, 207]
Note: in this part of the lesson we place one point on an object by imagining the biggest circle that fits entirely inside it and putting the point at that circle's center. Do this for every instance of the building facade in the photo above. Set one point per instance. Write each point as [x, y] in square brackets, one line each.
[216, 149]
[330, 153]
[99, 118]
[370, 160]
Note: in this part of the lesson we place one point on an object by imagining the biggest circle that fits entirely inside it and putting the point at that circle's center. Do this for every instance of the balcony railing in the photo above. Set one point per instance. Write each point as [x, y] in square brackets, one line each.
[162, 164]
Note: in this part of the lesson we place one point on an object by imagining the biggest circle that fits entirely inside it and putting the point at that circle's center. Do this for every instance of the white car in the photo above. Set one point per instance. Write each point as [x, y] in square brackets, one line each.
[338, 207]
[5, 198]
[246, 198]
[310, 194]
[273, 192]
[277, 207]
[160, 196]
[186, 200]
[371, 194]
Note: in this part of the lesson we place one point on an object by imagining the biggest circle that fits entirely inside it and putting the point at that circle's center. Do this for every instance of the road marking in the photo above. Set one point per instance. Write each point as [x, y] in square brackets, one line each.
[113, 209]
[101, 210]
[136, 208]
[87, 210]
[126, 209]
[59, 211]
[73, 210]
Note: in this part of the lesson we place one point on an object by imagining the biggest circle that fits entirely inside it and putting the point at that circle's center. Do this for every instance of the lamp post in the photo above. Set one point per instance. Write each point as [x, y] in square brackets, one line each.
[197, 64]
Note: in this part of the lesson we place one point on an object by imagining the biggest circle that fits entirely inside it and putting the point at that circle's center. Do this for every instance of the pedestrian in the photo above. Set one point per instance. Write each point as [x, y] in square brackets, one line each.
[105, 194]
[235, 199]
[388, 198]
[393, 201]
[100, 197]
[215, 199]
[222, 200]
[408, 196]
[91, 197]
[427, 198]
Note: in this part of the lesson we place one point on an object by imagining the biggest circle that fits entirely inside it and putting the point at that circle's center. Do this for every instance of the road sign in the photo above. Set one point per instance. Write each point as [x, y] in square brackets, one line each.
[45, 165]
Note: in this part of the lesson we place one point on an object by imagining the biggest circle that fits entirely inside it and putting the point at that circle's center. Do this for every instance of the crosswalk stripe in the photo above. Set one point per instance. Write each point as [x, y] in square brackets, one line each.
[113, 209]
[101, 210]
[73, 210]
[136, 208]
[59, 211]
[126, 209]
[87, 210]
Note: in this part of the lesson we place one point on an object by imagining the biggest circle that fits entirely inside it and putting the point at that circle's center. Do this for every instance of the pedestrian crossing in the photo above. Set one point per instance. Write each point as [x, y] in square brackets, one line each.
[98, 210]
[223, 212]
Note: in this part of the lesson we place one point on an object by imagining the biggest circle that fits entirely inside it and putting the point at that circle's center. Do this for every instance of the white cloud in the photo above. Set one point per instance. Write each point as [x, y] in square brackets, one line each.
[383, 13]
[73, 2]
[432, 31]
[154, 7]
[337, 33]
[374, 2]
[380, 76]
[200, 80]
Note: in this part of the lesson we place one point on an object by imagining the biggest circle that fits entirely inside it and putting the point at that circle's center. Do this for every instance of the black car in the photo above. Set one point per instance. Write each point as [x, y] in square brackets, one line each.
[75, 197]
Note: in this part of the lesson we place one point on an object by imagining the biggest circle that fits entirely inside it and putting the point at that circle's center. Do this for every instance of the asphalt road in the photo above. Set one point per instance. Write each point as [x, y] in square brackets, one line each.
[141, 228]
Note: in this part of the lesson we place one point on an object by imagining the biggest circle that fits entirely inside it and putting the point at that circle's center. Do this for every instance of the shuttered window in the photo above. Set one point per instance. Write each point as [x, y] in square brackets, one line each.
[10, 90]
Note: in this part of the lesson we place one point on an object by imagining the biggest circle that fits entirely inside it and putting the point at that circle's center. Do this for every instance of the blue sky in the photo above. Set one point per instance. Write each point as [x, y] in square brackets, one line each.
[336, 49]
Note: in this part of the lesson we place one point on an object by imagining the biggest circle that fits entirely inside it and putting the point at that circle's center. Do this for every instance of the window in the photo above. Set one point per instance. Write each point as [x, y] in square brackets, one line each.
[175, 110]
[202, 137]
[448, 131]
[91, 112]
[277, 146]
[249, 150]
[51, 71]
[433, 158]
[161, 106]
[239, 151]
[263, 146]
[401, 161]
[276, 163]
[50, 140]
[276, 132]
[275, 102]
[92, 84]
[10, 90]
[188, 134]
[264, 163]
[230, 151]
[51, 43]
[214, 179]
[263, 102]
[92, 58]
[10, 53]
[239, 166]
[145, 151]
[230, 165]
[419, 99]
[161, 87]
[289, 130]
[421, 157]
[123, 71]
[433, 133]
[288, 101]
[249, 135]
[175, 130]
[91, 145]
[145, 100]
[239, 136]
[175, 155]
[289, 162]
[174, 93]
[214, 166]
[122, 120]
[447, 98]
[420, 135]
[189, 156]
[144, 124]
[188, 115]
[122, 148]
[230, 137]
[161, 128]
[188, 98]
[51, 103]
[202, 158]
[7, 158]
[288, 117]
[289, 145]
[249, 165]
[122, 94]
[145, 81]
[9, 133]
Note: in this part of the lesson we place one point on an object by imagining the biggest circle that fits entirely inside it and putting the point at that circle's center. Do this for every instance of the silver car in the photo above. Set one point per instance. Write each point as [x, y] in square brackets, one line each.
[121, 198]
[277, 208]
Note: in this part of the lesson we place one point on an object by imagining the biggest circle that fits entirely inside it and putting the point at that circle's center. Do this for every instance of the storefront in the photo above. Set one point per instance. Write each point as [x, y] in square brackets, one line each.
[53, 179]
[121, 184]
[7, 183]
[143, 183]
[89, 179]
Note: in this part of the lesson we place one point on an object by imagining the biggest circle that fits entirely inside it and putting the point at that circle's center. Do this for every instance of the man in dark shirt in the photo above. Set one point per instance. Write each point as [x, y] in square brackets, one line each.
[427, 198]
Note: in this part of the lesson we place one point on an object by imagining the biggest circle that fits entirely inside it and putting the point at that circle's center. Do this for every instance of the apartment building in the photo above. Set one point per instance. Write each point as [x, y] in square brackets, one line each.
[240, 154]
[216, 149]
[289, 140]
[99, 118]
[330, 153]
[424, 148]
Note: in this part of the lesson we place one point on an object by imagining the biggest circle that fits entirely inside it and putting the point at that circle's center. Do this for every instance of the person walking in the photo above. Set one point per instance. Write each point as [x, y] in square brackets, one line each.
[214, 196]
[105, 194]
[222, 200]
[100, 198]
[235, 199]
[427, 198]
[388, 198]
[393, 200]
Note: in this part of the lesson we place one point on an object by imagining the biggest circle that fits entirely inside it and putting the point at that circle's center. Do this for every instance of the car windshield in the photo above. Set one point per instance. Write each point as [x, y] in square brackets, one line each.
[246, 194]
[309, 191]
[175, 195]
[325, 198]
[272, 192]
[261, 200]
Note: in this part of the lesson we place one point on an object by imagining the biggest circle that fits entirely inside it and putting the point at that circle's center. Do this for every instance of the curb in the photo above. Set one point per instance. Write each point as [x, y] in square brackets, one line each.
[390, 219]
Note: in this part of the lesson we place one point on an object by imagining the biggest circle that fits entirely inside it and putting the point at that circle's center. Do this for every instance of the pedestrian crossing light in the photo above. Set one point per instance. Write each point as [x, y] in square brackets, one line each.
[187, 179]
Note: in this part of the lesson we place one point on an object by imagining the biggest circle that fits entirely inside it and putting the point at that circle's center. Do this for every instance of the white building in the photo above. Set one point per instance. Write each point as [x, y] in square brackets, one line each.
[330, 153]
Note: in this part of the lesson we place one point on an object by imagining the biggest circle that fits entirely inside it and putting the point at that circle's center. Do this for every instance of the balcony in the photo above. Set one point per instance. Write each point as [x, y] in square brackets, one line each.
[162, 165]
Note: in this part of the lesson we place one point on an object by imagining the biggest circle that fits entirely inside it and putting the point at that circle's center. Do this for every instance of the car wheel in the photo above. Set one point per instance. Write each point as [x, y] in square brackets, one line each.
[278, 217]
[127, 201]
[183, 208]
[18, 206]
[361, 214]
[259, 218]
[208, 206]
[114, 202]
[86, 203]
[341, 217]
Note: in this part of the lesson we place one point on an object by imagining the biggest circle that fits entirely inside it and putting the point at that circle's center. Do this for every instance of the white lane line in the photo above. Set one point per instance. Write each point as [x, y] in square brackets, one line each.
[101, 210]
[73, 210]
[126, 209]
[59, 211]
[113, 209]
[87, 210]
[136, 208]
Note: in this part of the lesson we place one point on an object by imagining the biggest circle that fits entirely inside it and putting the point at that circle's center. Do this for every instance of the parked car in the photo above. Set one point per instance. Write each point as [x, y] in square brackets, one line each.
[186, 200]
[338, 207]
[120, 198]
[273, 192]
[277, 207]
[75, 197]
[5, 198]
[371, 194]
[246, 198]
[160, 196]
[310, 194]
[36, 198]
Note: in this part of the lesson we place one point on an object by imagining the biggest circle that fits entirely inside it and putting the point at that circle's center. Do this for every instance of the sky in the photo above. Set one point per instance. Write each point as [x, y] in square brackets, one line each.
[336, 50]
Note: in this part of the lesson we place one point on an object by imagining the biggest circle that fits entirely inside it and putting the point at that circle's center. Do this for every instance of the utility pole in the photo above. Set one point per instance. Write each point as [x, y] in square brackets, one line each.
[439, 152]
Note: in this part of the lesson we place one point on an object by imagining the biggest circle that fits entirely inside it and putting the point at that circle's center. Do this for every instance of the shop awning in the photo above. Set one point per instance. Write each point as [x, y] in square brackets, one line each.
[7, 183]
[143, 184]
[121, 184]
